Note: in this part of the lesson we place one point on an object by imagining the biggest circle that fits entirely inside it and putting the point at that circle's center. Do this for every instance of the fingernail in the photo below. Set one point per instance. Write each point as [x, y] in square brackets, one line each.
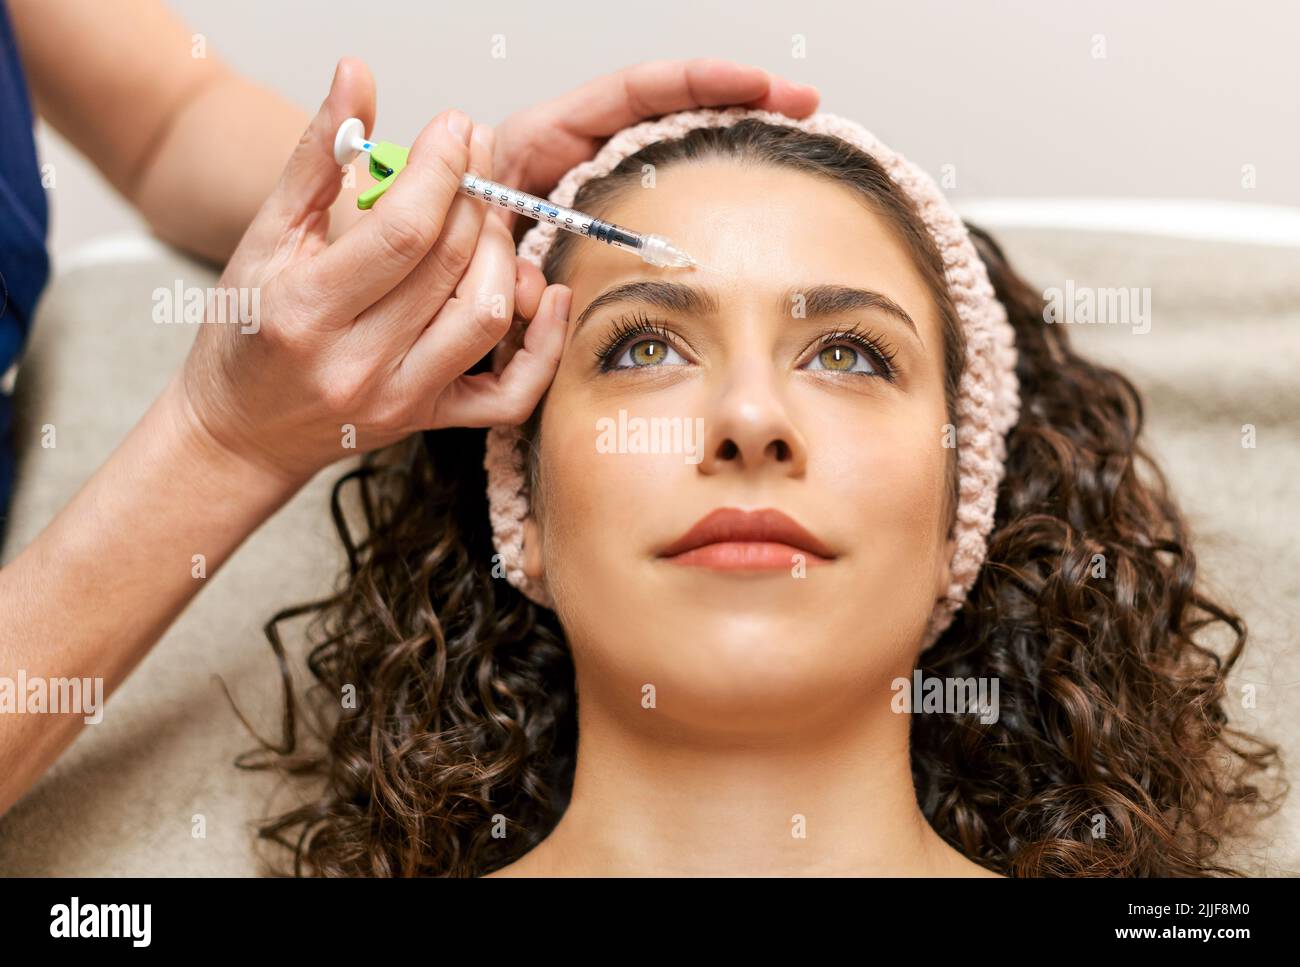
[459, 124]
[563, 302]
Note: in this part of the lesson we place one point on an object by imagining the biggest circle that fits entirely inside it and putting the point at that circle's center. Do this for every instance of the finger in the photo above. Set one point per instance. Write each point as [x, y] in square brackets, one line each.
[474, 320]
[529, 286]
[418, 297]
[608, 104]
[369, 259]
[312, 178]
[788, 98]
[508, 399]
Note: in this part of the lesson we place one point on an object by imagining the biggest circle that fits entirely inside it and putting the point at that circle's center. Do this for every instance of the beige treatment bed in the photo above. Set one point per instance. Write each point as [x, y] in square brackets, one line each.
[1223, 351]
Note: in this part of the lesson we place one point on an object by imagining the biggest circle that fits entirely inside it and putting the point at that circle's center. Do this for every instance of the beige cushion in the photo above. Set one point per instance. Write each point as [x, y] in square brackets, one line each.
[1222, 352]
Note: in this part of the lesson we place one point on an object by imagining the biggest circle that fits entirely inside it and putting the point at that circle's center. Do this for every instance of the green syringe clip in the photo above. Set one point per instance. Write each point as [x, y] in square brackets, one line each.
[386, 162]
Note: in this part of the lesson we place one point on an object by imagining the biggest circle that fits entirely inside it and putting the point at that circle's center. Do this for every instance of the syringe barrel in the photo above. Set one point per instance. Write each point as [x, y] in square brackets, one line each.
[530, 206]
[569, 219]
[615, 235]
[654, 249]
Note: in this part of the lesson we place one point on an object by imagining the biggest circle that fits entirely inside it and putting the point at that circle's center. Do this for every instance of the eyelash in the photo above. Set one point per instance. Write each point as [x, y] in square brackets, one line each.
[624, 328]
[628, 326]
[869, 342]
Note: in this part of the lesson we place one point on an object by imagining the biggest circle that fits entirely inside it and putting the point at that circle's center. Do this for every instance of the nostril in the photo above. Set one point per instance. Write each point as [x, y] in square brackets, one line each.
[728, 450]
[782, 450]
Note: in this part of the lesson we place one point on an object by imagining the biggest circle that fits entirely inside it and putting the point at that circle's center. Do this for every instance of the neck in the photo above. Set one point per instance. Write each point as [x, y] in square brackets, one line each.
[827, 797]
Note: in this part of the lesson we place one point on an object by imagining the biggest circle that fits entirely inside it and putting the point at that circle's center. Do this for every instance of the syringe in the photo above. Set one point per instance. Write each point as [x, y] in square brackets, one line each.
[387, 159]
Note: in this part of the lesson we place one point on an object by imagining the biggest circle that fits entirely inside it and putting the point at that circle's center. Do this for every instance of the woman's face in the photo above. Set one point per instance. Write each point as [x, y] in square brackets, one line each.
[792, 418]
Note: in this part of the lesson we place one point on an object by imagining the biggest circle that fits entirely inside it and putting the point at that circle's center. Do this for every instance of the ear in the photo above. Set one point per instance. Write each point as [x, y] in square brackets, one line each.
[533, 549]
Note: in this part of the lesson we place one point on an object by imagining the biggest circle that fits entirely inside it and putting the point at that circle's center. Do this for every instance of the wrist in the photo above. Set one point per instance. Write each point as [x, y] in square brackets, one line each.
[214, 463]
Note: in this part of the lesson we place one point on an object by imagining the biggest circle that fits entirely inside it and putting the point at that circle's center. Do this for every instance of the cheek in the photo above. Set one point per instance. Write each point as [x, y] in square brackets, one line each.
[886, 470]
[600, 507]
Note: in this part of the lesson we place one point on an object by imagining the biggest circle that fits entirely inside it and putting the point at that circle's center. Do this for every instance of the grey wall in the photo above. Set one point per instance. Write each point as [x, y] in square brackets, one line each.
[1010, 93]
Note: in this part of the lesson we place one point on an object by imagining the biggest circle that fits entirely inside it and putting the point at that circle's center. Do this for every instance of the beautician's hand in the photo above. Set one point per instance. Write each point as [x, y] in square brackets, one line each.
[372, 331]
[537, 145]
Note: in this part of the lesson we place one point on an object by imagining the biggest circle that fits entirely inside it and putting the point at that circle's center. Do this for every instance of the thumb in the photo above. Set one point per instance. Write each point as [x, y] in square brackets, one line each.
[312, 179]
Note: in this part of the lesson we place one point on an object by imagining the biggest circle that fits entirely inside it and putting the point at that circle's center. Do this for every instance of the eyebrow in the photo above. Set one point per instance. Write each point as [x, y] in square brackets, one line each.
[818, 300]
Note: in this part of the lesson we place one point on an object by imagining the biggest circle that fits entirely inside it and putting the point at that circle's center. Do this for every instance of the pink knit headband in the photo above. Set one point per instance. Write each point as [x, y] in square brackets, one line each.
[988, 397]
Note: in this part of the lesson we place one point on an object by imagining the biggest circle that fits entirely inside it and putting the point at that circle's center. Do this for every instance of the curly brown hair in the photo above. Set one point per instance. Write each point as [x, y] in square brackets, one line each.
[457, 723]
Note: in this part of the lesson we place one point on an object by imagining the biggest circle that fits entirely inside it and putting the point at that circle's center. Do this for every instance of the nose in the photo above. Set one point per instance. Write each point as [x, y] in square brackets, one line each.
[751, 429]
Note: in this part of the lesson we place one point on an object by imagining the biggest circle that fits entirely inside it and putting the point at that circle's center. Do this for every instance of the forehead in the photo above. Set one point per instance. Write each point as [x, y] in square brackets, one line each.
[758, 230]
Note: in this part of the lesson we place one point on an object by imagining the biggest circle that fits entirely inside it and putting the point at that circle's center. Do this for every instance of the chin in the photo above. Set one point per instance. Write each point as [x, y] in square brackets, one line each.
[735, 672]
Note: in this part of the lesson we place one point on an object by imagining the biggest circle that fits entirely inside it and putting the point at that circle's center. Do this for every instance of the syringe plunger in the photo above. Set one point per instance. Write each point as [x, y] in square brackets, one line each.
[350, 141]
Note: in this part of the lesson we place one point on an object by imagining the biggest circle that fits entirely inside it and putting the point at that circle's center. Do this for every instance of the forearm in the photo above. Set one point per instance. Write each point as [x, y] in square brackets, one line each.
[97, 588]
[194, 146]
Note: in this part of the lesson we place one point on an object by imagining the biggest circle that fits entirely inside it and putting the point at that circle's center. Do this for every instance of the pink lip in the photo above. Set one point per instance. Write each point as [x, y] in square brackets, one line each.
[730, 539]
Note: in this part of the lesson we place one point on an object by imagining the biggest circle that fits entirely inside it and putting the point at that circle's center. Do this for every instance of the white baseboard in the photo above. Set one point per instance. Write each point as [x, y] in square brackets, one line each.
[1194, 218]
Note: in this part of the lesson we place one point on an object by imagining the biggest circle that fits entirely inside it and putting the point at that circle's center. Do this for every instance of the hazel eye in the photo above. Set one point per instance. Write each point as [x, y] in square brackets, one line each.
[839, 358]
[644, 353]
